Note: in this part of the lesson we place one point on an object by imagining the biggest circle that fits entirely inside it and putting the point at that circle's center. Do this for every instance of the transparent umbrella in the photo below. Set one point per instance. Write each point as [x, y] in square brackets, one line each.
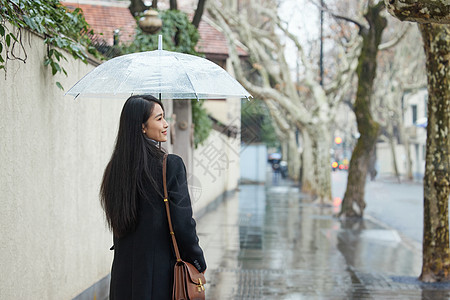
[162, 74]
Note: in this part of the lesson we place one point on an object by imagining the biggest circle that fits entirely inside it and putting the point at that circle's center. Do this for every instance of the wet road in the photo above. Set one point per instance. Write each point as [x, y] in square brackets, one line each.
[399, 206]
[271, 242]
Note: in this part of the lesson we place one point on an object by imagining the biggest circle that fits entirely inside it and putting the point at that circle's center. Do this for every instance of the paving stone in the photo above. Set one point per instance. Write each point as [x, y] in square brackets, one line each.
[271, 242]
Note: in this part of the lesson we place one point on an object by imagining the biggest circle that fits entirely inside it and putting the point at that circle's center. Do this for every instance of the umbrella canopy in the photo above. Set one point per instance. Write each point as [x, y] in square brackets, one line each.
[162, 74]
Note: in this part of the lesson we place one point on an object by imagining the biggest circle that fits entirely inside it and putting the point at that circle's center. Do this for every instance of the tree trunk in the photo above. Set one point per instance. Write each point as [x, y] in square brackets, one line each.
[321, 146]
[293, 157]
[367, 127]
[392, 145]
[423, 11]
[173, 5]
[405, 140]
[307, 166]
[138, 6]
[198, 13]
[436, 253]
[315, 167]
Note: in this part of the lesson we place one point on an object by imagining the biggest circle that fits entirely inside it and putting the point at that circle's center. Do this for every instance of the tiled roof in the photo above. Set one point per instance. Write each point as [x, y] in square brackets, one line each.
[105, 19]
[213, 41]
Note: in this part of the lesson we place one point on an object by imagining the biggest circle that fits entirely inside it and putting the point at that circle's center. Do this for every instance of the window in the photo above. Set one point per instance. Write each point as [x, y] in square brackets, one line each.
[414, 113]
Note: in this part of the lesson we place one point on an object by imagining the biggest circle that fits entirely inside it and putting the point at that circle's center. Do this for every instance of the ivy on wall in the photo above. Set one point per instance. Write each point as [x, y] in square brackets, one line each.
[202, 123]
[61, 28]
[178, 35]
[67, 30]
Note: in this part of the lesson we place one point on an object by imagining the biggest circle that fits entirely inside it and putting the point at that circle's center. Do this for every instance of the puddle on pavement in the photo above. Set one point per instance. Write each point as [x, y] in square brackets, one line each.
[271, 244]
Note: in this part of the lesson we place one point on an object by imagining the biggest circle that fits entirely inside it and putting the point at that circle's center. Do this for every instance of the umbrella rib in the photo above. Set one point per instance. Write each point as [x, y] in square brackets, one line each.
[123, 81]
[190, 81]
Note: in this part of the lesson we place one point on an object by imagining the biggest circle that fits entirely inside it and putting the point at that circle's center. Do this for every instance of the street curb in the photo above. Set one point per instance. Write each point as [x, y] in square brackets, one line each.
[408, 242]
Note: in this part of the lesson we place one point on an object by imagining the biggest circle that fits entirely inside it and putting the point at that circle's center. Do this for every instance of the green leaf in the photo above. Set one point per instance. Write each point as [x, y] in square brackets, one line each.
[14, 37]
[63, 28]
[58, 84]
[57, 66]
[27, 21]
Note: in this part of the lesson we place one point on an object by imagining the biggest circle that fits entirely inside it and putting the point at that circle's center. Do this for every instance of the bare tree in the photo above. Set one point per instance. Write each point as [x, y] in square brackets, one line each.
[256, 28]
[367, 126]
[436, 251]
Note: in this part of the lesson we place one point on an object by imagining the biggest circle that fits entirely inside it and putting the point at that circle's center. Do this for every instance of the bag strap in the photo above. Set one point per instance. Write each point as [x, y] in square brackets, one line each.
[166, 202]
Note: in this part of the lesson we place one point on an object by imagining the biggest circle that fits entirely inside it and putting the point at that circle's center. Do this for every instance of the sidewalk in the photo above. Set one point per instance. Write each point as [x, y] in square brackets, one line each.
[270, 242]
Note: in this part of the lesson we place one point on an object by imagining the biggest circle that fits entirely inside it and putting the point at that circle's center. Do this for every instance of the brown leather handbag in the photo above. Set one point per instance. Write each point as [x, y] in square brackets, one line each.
[187, 280]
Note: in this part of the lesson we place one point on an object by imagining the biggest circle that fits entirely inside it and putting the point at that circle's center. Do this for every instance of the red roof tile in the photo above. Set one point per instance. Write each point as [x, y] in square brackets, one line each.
[105, 19]
[213, 41]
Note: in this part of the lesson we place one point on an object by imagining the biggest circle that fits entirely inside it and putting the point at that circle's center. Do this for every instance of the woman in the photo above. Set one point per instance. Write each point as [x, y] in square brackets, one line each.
[131, 196]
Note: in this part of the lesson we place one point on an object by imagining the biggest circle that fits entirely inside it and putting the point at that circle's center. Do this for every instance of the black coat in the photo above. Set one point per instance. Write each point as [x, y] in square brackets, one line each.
[144, 259]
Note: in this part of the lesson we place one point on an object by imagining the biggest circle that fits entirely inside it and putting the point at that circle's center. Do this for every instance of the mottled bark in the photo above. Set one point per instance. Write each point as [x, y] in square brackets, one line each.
[423, 11]
[321, 146]
[367, 127]
[316, 176]
[436, 253]
[307, 168]
[293, 157]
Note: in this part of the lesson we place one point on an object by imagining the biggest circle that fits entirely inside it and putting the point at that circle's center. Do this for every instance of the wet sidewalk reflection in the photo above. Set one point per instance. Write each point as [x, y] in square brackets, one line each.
[270, 242]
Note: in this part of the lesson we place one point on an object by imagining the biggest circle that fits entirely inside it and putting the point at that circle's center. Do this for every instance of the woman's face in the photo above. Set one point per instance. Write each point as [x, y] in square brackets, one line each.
[156, 126]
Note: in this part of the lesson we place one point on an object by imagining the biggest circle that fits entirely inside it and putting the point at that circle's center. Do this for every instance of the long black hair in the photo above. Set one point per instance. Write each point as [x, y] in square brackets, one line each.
[134, 161]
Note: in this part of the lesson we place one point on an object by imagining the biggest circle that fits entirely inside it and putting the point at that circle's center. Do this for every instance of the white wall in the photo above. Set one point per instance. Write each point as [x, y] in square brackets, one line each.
[54, 242]
[216, 162]
[216, 169]
[254, 162]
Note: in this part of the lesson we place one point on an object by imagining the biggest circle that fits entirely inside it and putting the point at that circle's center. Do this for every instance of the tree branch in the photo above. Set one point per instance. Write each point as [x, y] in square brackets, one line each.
[394, 41]
[262, 92]
[340, 17]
